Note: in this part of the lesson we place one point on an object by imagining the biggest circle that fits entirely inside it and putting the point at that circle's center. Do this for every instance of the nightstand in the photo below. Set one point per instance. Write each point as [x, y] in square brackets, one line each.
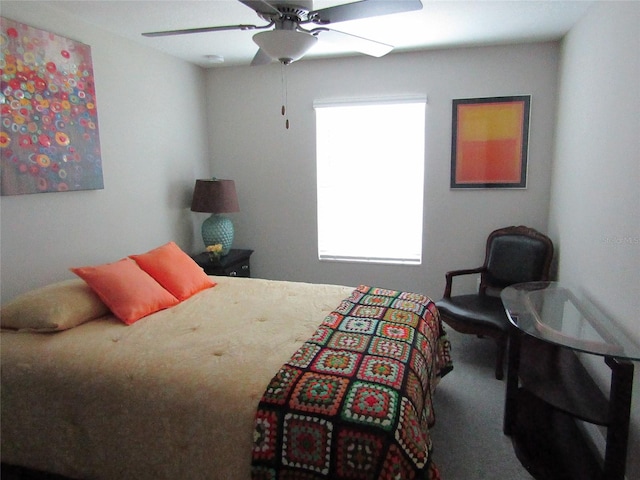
[234, 264]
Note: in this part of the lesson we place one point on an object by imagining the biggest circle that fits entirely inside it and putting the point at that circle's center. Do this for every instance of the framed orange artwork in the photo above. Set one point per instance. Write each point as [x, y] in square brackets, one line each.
[490, 142]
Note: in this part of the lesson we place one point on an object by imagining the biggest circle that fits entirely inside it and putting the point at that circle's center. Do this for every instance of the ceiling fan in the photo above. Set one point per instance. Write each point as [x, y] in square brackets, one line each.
[288, 41]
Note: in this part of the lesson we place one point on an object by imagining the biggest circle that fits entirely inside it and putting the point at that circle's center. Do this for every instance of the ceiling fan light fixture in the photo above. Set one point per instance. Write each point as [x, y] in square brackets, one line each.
[285, 46]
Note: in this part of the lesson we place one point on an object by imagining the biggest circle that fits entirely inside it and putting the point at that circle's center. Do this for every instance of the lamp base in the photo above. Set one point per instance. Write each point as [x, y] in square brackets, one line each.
[218, 229]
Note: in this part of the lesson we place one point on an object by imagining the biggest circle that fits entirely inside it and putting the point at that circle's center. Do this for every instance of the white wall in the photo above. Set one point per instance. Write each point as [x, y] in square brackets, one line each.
[153, 134]
[595, 207]
[274, 169]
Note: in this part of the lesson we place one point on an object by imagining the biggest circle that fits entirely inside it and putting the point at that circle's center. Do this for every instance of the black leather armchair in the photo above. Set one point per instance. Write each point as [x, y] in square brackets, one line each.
[513, 255]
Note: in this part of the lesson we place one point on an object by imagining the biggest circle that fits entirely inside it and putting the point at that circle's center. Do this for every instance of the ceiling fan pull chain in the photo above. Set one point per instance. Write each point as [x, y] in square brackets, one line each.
[283, 80]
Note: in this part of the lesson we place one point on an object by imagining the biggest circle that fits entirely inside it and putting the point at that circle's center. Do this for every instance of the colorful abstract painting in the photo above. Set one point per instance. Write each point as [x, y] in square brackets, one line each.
[49, 139]
[490, 142]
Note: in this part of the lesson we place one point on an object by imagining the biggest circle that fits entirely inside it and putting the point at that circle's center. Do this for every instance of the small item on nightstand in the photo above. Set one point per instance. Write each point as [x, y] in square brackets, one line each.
[214, 251]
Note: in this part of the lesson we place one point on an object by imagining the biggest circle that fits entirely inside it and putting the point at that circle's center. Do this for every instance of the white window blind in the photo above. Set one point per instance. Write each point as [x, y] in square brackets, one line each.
[370, 174]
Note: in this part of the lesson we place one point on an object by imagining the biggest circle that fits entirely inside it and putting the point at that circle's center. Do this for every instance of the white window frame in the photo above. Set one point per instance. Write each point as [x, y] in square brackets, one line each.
[388, 190]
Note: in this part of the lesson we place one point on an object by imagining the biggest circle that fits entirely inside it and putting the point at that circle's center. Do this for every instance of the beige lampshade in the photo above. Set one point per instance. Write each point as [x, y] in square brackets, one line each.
[215, 196]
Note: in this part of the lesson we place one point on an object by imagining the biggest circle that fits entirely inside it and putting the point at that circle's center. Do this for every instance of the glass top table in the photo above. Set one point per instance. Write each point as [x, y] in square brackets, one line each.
[554, 313]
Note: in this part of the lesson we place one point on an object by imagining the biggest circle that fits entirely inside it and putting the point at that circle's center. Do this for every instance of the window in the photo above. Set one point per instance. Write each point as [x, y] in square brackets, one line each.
[370, 174]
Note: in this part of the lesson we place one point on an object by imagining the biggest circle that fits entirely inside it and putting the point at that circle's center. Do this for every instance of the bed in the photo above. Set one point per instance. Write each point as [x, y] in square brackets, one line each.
[184, 392]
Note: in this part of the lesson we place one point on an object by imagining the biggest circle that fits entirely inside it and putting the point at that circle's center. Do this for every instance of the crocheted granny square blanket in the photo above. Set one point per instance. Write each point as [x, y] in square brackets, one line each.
[355, 400]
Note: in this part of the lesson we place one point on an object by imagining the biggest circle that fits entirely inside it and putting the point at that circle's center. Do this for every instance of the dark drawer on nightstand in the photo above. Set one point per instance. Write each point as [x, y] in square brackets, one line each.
[234, 264]
[242, 269]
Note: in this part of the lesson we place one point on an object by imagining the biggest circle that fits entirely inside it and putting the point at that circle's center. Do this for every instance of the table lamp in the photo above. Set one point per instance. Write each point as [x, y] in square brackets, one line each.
[216, 196]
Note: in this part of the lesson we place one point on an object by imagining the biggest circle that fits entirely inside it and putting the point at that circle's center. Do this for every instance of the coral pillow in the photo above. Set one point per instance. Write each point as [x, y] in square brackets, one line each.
[174, 270]
[126, 289]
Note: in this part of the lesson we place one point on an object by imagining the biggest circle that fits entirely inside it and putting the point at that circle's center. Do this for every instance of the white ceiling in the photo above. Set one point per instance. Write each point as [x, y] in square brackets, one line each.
[440, 24]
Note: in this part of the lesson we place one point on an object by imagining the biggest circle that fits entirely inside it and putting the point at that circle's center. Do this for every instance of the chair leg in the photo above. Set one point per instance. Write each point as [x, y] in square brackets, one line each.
[501, 343]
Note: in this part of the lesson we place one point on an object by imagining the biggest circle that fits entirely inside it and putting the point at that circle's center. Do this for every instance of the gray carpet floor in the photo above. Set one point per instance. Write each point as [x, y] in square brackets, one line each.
[467, 438]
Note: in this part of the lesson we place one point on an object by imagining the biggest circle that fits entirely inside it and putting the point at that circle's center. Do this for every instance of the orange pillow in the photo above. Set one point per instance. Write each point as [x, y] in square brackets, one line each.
[174, 270]
[128, 291]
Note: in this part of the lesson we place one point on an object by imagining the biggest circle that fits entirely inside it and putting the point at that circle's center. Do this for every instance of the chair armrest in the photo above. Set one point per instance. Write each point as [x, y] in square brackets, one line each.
[454, 273]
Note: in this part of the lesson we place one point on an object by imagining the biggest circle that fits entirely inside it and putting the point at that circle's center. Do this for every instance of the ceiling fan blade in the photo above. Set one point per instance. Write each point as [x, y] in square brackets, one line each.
[362, 9]
[260, 6]
[261, 58]
[354, 42]
[203, 30]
